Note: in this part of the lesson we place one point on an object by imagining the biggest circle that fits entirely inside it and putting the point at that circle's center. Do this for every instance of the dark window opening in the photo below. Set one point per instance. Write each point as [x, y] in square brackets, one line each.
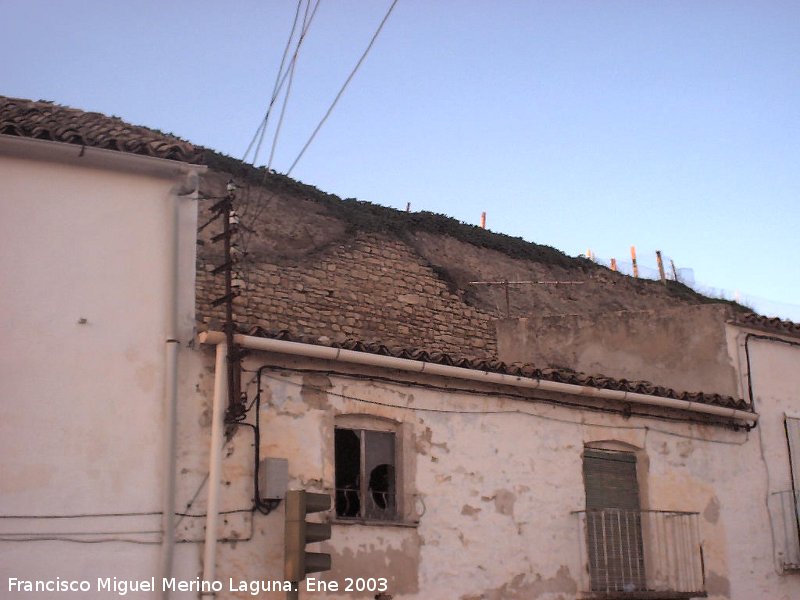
[365, 474]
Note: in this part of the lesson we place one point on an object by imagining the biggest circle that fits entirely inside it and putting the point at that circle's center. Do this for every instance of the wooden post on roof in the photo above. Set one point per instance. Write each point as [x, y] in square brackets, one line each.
[613, 264]
[483, 220]
[674, 270]
[661, 267]
[408, 206]
[633, 259]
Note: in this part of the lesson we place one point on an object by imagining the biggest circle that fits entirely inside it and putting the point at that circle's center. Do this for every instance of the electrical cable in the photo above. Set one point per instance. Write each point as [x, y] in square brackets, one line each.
[499, 394]
[77, 541]
[284, 75]
[279, 81]
[279, 126]
[262, 126]
[194, 497]
[264, 507]
[276, 92]
[63, 533]
[84, 515]
[288, 93]
[344, 86]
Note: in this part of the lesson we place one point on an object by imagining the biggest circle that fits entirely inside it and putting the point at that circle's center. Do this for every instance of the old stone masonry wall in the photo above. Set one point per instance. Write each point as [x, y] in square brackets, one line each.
[371, 288]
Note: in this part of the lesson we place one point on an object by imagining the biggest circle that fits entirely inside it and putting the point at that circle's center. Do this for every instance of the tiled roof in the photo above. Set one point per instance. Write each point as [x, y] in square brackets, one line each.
[48, 121]
[530, 371]
[771, 324]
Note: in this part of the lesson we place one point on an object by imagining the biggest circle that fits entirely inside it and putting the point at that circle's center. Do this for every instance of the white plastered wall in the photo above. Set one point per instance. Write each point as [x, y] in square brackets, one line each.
[85, 287]
[769, 365]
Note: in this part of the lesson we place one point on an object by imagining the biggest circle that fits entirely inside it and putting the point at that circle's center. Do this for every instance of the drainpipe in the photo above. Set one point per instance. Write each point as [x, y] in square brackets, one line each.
[215, 460]
[416, 366]
[187, 188]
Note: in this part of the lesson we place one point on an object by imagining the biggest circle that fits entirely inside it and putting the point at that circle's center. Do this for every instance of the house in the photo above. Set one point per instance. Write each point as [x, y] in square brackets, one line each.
[767, 352]
[98, 222]
[466, 448]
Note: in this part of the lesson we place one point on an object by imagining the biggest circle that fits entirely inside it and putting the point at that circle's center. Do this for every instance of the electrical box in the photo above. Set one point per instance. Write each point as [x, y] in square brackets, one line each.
[273, 478]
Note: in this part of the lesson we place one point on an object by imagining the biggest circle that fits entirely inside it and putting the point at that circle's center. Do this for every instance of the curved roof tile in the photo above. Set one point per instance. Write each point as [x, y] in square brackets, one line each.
[773, 324]
[516, 369]
[48, 121]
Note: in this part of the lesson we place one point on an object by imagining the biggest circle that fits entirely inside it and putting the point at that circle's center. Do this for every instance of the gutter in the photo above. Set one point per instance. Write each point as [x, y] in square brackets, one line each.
[415, 366]
[89, 156]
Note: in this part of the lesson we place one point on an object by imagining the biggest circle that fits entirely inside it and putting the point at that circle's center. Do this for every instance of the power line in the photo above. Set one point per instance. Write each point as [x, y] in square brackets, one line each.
[503, 394]
[283, 73]
[344, 86]
[282, 76]
[307, 20]
[263, 125]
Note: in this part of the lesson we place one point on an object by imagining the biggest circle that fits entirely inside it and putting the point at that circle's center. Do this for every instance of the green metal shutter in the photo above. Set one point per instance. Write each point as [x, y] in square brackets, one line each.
[610, 480]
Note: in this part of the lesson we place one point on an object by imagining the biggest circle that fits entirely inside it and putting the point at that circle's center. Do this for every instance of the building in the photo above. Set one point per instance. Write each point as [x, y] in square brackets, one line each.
[98, 223]
[467, 449]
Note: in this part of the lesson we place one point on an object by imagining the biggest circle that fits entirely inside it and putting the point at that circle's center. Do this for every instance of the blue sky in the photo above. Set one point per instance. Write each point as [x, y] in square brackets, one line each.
[668, 125]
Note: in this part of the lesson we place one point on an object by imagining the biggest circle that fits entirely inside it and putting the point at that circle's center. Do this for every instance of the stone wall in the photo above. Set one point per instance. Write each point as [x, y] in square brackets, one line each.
[371, 288]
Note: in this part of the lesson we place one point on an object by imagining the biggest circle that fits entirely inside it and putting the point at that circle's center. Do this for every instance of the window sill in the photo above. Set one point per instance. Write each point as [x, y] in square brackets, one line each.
[643, 595]
[374, 523]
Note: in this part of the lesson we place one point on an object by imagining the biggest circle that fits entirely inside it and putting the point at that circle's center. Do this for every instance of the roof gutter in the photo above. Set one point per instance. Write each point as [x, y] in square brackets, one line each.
[89, 156]
[415, 366]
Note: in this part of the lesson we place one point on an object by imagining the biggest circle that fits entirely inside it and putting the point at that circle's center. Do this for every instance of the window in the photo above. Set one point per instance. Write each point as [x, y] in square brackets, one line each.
[632, 553]
[366, 474]
[792, 426]
[613, 521]
[789, 500]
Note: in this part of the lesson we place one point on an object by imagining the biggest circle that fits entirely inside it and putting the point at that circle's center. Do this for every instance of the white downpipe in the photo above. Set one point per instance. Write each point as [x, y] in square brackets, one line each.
[169, 464]
[215, 460]
[415, 366]
[185, 189]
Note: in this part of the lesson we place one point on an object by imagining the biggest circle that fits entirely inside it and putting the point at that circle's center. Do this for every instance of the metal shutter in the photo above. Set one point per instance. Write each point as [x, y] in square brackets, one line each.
[613, 522]
[610, 480]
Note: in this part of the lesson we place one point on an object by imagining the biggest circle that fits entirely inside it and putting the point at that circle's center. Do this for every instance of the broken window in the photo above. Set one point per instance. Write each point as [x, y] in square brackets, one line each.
[366, 485]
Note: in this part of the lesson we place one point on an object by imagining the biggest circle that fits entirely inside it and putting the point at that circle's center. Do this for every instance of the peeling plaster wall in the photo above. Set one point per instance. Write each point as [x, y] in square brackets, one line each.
[84, 296]
[773, 366]
[494, 482]
[683, 348]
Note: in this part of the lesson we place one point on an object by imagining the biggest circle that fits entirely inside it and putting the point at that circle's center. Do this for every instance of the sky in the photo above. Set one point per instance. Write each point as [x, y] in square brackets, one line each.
[583, 125]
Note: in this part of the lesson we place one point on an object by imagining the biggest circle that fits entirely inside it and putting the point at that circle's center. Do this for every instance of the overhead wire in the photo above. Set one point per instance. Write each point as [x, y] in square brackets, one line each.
[504, 394]
[344, 86]
[246, 237]
[306, 25]
[264, 121]
[307, 20]
[284, 70]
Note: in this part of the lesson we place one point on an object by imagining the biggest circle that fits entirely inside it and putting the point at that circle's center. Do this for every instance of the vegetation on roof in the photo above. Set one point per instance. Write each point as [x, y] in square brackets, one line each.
[361, 216]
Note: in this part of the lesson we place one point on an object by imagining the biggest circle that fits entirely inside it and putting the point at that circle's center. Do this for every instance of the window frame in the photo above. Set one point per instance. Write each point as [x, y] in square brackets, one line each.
[361, 424]
[791, 428]
[611, 472]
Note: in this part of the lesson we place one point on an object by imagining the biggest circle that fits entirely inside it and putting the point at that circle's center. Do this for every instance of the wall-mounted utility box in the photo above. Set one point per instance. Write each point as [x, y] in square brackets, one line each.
[273, 478]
